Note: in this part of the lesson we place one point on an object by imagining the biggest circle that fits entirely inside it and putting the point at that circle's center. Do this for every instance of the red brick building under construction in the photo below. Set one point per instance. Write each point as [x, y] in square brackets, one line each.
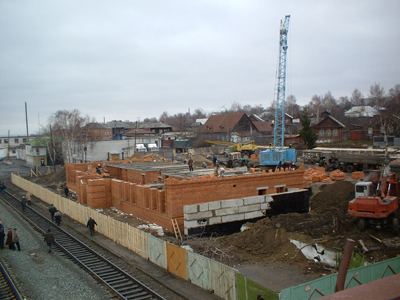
[158, 192]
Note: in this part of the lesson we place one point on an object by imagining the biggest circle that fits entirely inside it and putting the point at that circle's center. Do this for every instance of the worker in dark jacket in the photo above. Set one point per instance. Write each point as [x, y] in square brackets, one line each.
[49, 239]
[23, 203]
[57, 216]
[91, 223]
[52, 210]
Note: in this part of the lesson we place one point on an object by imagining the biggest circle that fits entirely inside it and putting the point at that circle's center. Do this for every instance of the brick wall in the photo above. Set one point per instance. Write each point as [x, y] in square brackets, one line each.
[160, 206]
[209, 188]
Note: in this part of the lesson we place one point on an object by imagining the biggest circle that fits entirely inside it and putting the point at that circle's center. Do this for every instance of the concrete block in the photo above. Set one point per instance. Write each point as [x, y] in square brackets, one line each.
[268, 199]
[231, 203]
[190, 209]
[254, 214]
[214, 205]
[265, 206]
[226, 211]
[232, 218]
[248, 208]
[190, 224]
[199, 215]
[214, 220]
[203, 207]
[253, 200]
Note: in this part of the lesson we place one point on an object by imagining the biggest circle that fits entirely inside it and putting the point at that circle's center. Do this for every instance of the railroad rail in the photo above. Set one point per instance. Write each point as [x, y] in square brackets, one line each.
[113, 277]
[8, 289]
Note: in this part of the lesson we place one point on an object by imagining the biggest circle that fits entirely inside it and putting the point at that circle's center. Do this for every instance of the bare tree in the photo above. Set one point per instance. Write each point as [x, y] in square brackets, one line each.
[291, 106]
[67, 125]
[357, 99]
[328, 102]
[164, 117]
[236, 107]
[199, 113]
[345, 103]
[315, 106]
[377, 96]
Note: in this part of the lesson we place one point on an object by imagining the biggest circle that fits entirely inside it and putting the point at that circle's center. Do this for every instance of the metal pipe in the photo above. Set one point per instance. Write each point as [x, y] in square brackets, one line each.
[344, 265]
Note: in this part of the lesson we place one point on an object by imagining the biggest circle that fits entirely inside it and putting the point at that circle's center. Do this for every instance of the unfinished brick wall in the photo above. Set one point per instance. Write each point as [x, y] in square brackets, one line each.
[135, 176]
[98, 193]
[160, 206]
[210, 188]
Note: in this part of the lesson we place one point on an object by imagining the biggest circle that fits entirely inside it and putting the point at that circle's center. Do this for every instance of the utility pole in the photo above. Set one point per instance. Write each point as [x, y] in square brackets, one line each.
[8, 140]
[26, 120]
[134, 146]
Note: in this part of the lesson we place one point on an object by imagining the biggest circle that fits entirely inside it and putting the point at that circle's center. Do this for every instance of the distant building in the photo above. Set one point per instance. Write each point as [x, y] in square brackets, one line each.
[361, 111]
[329, 130]
[97, 132]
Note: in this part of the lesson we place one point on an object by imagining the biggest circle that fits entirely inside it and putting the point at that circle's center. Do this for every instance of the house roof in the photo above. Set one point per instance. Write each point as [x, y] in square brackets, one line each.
[333, 119]
[222, 123]
[201, 121]
[139, 131]
[361, 111]
[263, 126]
[153, 125]
[118, 124]
[95, 126]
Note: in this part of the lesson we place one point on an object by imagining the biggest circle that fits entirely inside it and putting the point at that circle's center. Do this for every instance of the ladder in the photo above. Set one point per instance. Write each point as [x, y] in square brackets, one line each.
[176, 229]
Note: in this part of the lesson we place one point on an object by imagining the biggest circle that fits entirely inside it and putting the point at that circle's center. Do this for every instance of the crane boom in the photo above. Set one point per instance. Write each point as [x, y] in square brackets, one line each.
[279, 127]
[278, 155]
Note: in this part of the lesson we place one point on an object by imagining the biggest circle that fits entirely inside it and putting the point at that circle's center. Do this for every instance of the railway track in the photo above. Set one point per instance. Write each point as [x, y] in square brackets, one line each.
[113, 277]
[8, 289]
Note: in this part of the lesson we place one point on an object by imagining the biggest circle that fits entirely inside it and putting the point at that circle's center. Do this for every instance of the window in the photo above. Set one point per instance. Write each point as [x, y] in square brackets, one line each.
[382, 129]
[5, 141]
[24, 140]
[321, 133]
[335, 132]
[328, 132]
[0, 141]
[16, 141]
[370, 130]
[391, 129]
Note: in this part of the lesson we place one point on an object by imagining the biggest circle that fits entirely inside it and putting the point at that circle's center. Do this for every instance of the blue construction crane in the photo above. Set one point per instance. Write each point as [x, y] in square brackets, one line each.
[277, 155]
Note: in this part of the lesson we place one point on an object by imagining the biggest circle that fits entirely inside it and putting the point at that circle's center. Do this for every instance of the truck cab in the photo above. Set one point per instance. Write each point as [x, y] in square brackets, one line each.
[363, 189]
[152, 147]
[140, 148]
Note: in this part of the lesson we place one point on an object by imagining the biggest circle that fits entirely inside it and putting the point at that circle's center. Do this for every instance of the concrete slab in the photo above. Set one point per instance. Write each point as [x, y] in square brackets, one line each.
[253, 200]
[249, 208]
[232, 203]
[232, 218]
[226, 211]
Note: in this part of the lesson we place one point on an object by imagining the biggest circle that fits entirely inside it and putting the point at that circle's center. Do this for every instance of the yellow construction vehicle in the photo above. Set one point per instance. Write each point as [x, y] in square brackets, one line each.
[247, 148]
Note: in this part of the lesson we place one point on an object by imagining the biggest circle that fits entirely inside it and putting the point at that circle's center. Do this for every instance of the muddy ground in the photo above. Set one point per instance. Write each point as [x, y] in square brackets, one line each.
[268, 242]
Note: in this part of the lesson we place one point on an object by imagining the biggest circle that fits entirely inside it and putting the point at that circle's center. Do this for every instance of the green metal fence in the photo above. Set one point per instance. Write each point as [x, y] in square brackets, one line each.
[355, 277]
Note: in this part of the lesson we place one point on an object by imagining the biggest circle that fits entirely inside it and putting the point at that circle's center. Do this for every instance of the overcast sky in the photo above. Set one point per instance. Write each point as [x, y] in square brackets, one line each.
[130, 60]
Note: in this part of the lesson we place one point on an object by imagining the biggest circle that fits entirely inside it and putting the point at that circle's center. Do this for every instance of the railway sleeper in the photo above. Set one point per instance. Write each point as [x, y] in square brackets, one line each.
[136, 294]
[116, 280]
[97, 269]
[107, 273]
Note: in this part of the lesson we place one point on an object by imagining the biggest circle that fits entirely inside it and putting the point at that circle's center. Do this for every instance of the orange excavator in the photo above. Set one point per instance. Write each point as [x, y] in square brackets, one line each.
[376, 207]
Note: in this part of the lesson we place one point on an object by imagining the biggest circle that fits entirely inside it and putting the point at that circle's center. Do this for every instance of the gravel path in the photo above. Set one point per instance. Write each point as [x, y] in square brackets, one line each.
[43, 275]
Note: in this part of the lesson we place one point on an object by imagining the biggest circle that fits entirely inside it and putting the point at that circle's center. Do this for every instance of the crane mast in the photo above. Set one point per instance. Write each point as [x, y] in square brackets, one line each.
[279, 126]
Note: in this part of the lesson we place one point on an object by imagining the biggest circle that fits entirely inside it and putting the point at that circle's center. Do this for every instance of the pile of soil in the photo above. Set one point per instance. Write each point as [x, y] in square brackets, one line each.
[54, 180]
[327, 223]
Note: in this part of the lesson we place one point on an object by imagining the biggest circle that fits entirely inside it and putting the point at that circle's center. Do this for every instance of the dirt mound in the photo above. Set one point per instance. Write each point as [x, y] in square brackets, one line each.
[327, 223]
[53, 180]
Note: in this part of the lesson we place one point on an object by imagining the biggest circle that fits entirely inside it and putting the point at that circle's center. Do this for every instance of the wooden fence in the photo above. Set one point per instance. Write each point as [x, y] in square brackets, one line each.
[204, 272]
